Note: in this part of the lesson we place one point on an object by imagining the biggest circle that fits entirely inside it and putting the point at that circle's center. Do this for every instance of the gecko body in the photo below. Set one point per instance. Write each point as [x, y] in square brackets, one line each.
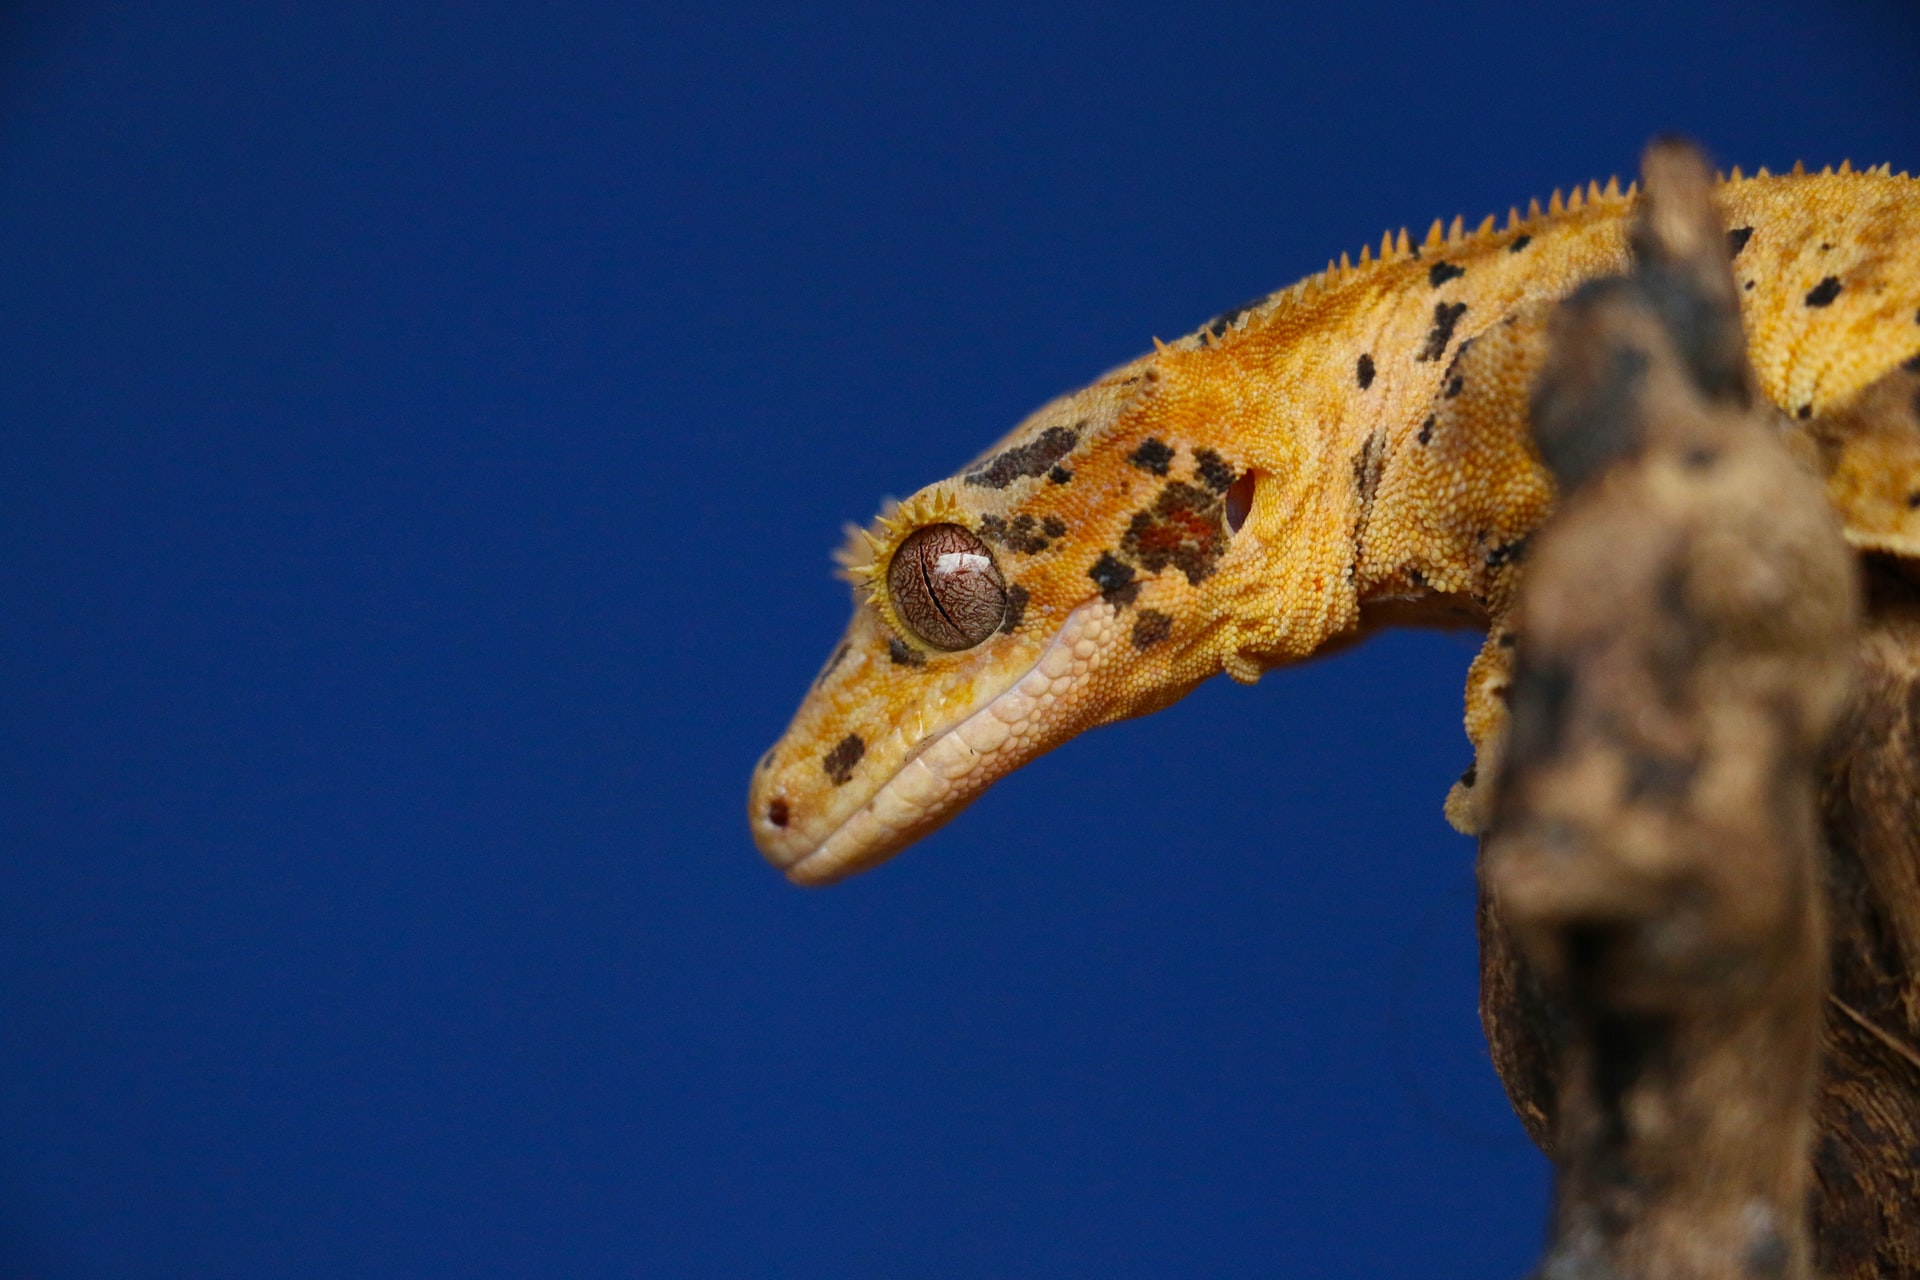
[1349, 453]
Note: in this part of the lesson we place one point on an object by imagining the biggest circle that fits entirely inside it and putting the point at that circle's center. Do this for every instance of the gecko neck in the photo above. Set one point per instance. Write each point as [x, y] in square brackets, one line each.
[1419, 559]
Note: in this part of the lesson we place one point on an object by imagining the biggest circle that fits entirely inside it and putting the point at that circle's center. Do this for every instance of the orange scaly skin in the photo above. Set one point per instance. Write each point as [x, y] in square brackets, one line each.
[1376, 416]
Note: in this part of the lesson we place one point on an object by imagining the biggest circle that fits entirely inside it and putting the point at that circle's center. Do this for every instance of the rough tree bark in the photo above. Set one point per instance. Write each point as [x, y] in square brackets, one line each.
[1696, 819]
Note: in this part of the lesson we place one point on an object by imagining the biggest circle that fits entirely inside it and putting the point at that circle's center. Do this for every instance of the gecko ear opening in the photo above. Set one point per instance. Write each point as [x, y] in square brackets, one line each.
[1239, 500]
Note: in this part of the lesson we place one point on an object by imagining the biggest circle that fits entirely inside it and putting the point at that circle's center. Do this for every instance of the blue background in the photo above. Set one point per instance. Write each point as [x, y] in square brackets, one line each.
[423, 429]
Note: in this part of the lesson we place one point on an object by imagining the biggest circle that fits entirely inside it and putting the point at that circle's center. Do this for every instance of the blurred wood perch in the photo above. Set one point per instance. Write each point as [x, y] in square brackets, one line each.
[1692, 803]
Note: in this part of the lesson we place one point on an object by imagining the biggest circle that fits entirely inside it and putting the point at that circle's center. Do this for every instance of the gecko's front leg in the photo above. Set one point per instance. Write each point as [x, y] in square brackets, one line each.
[1469, 807]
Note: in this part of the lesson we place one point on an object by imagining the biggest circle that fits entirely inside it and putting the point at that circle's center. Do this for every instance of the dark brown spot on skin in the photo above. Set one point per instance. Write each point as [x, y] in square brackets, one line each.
[1445, 316]
[1826, 248]
[1367, 464]
[1806, 411]
[1023, 534]
[1748, 286]
[1913, 363]
[1913, 500]
[1519, 244]
[1152, 456]
[1054, 527]
[1441, 272]
[1184, 528]
[1737, 240]
[1700, 458]
[903, 654]
[1059, 475]
[838, 656]
[1214, 471]
[1471, 776]
[1506, 553]
[1114, 577]
[1016, 608]
[1426, 429]
[845, 755]
[1506, 640]
[1824, 293]
[777, 813]
[1363, 372]
[1150, 628]
[1031, 459]
[1454, 384]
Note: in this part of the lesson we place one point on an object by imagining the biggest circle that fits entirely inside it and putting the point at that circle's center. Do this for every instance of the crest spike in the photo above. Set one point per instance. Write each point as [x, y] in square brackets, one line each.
[1486, 226]
[1401, 245]
[1533, 210]
[1737, 175]
[1436, 235]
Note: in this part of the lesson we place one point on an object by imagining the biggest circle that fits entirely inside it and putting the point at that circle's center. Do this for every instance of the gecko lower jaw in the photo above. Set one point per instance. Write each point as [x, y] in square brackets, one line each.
[954, 765]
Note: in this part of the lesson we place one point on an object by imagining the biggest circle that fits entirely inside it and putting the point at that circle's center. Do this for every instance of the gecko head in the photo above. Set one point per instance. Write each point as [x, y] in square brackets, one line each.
[1089, 568]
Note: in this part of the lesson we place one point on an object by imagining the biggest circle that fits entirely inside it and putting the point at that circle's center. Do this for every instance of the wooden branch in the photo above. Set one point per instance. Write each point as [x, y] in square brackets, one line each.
[1866, 1160]
[1686, 641]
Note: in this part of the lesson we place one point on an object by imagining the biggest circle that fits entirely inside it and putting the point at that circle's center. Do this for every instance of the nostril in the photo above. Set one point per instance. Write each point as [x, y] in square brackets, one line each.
[1239, 501]
[777, 813]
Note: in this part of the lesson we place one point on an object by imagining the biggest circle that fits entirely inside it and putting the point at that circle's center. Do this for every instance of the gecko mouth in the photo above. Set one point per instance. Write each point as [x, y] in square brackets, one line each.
[944, 773]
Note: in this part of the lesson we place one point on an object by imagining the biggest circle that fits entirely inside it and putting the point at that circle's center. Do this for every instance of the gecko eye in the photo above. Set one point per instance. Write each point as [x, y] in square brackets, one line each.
[945, 588]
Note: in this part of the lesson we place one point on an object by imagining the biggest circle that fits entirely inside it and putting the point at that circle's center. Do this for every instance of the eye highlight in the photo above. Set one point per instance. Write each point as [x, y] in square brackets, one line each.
[945, 587]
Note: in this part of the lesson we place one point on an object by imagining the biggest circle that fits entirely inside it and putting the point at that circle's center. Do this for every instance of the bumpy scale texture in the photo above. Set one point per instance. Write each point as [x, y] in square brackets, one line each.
[1349, 453]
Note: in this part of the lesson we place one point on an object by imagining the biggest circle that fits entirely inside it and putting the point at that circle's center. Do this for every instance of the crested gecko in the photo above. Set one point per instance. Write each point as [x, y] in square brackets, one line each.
[1348, 453]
